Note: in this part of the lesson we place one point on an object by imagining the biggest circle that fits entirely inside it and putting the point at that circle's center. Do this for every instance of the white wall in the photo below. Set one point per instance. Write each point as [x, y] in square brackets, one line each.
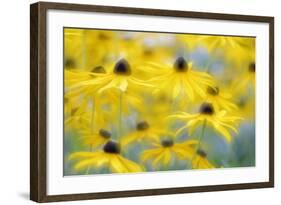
[14, 101]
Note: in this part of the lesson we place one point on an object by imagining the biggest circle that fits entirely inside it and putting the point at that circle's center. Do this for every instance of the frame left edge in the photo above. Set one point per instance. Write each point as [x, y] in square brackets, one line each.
[37, 104]
[34, 187]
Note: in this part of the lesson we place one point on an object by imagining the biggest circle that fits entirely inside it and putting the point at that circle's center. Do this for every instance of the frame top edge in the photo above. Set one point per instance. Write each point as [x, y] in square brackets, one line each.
[153, 12]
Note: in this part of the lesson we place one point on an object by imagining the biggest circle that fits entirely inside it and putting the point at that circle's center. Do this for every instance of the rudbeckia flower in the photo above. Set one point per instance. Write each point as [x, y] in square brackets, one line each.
[236, 49]
[130, 101]
[144, 132]
[164, 152]
[247, 79]
[77, 119]
[95, 139]
[219, 99]
[224, 42]
[72, 78]
[180, 79]
[246, 107]
[73, 48]
[219, 121]
[109, 157]
[75, 76]
[190, 41]
[120, 78]
[69, 104]
[200, 161]
[87, 115]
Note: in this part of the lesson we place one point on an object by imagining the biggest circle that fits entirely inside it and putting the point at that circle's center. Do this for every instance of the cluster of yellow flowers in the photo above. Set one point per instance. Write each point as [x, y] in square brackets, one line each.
[138, 101]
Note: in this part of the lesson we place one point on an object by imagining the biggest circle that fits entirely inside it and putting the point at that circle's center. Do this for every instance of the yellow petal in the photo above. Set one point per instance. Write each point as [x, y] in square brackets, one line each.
[223, 132]
[130, 165]
[77, 155]
[167, 156]
[116, 165]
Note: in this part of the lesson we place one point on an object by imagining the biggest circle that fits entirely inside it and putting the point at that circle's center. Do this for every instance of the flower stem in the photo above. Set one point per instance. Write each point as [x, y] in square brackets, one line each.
[88, 170]
[202, 135]
[84, 51]
[199, 140]
[93, 116]
[173, 107]
[92, 129]
[120, 115]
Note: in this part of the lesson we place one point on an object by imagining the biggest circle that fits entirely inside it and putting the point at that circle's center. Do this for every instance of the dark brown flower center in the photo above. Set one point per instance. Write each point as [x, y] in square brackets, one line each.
[104, 133]
[213, 90]
[66, 100]
[98, 69]
[112, 147]
[73, 111]
[242, 102]
[180, 65]
[122, 67]
[143, 125]
[207, 109]
[252, 68]
[201, 153]
[103, 36]
[69, 62]
[148, 52]
[167, 143]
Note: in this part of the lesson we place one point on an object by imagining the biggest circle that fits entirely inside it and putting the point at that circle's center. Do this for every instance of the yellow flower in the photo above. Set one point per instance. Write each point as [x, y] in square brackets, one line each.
[71, 77]
[191, 41]
[95, 139]
[85, 49]
[69, 105]
[164, 151]
[159, 107]
[220, 121]
[83, 113]
[200, 161]
[219, 99]
[77, 119]
[109, 157]
[130, 99]
[73, 48]
[246, 107]
[224, 42]
[246, 80]
[120, 78]
[144, 132]
[180, 79]
[236, 49]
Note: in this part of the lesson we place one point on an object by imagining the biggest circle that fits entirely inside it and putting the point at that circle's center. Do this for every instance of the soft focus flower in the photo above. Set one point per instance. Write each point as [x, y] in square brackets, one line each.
[144, 132]
[120, 78]
[164, 152]
[246, 80]
[200, 161]
[235, 49]
[109, 157]
[181, 80]
[219, 99]
[94, 139]
[220, 121]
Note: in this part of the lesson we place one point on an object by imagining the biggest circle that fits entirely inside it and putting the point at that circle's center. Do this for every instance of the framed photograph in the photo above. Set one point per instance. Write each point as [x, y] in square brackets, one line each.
[134, 102]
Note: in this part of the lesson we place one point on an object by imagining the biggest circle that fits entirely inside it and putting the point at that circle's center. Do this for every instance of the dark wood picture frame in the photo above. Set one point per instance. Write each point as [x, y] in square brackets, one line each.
[38, 95]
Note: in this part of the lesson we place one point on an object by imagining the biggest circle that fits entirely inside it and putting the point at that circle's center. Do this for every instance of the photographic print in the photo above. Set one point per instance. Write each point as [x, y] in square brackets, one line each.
[140, 101]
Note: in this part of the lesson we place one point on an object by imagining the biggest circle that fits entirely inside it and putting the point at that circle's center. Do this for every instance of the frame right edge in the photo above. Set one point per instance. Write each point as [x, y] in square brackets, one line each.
[271, 101]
